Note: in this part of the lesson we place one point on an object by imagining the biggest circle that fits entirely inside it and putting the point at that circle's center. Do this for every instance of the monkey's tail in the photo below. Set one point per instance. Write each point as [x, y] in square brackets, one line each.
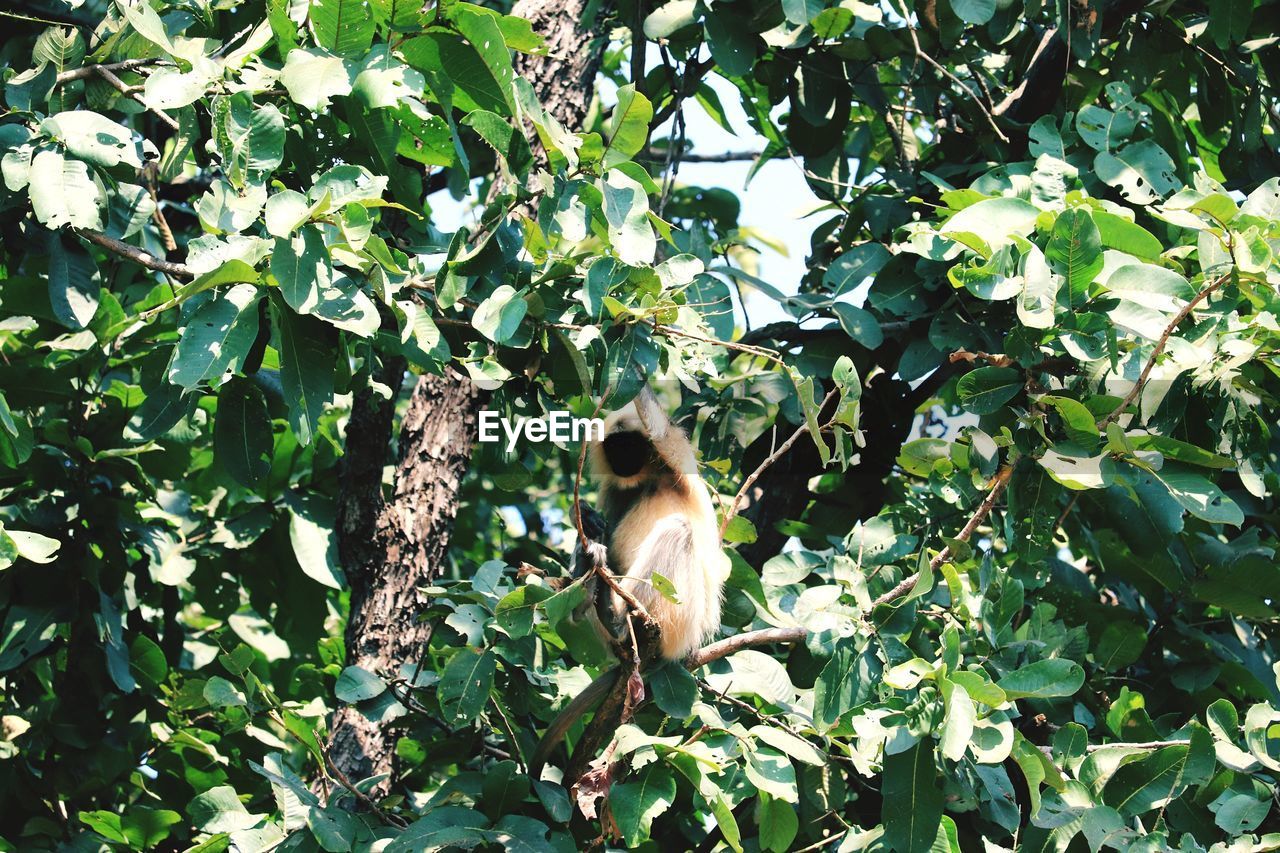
[581, 704]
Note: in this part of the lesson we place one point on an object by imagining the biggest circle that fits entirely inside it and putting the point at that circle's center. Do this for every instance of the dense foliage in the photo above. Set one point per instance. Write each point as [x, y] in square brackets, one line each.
[1043, 617]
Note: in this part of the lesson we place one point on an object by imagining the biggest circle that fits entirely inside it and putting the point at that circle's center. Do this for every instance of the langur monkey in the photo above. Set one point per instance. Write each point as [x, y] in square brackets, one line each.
[657, 519]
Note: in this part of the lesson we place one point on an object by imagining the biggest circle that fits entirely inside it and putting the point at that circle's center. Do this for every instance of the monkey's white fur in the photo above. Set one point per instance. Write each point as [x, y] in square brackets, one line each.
[661, 520]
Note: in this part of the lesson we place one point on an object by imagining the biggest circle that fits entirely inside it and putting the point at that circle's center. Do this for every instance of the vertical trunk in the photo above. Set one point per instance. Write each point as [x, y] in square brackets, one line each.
[389, 548]
[565, 77]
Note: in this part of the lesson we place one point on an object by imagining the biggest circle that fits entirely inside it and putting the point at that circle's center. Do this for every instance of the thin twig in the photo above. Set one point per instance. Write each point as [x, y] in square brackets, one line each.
[1160, 345]
[612, 580]
[773, 457]
[998, 485]
[86, 71]
[129, 92]
[133, 253]
[921, 54]
[510, 732]
[693, 74]
[691, 157]
[361, 795]
[1149, 744]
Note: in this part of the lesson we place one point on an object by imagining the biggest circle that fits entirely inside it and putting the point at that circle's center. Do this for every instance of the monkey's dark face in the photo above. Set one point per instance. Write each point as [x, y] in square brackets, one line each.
[627, 452]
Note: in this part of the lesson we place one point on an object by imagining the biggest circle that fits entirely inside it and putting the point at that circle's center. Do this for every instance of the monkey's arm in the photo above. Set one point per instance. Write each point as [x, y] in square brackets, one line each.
[581, 704]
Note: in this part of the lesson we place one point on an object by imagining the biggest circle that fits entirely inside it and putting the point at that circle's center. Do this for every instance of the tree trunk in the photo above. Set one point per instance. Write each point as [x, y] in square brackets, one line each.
[565, 77]
[391, 548]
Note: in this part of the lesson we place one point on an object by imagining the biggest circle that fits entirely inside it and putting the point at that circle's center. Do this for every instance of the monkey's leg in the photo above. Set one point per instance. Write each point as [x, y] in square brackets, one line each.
[668, 550]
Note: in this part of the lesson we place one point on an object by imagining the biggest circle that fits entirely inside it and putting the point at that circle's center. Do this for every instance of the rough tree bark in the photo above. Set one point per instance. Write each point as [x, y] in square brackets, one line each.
[390, 547]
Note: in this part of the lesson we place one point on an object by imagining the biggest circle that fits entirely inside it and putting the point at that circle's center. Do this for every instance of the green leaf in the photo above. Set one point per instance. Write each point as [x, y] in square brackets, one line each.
[221, 693]
[663, 21]
[344, 27]
[217, 338]
[1040, 289]
[1120, 645]
[315, 541]
[778, 824]
[855, 266]
[636, 804]
[859, 325]
[674, 689]
[465, 684]
[302, 266]
[1075, 252]
[1229, 22]
[256, 139]
[356, 685]
[1143, 171]
[63, 192]
[306, 371]
[1119, 233]
[73, 283]
[498, 317]
[312, 78]
[740, 529]
[334, 829]
[996, 221]
[626, 207]
[105, 823]
[25, 632]
[732, 42]
[514, 612]
[93, 138]
[242, 436]
[1077, 421]
[957, 729]
[627, 130]
[1044, 679]
[772, 773]
[911, 809]
[220, 810]
[160, 411]
[146, 827]
[128, 210]
[441, 828]
[1199, 496]
[1141, 786]
[477, 80]
[35, 547]
[1105, 129]
[846, 680]
[986, 389]
[974, 11]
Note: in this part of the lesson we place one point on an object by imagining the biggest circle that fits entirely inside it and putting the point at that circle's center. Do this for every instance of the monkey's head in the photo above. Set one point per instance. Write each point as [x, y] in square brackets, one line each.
[641, 446]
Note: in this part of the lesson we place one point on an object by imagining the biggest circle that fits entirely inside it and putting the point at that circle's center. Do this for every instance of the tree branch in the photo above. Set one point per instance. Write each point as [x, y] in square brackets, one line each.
[691, 157]
[738, 642]
[693, 74]
[135, 254]
[998, 485]
[110, 77]
[763, 466]
[942, 69]
[1160, 345]
[87, 71]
